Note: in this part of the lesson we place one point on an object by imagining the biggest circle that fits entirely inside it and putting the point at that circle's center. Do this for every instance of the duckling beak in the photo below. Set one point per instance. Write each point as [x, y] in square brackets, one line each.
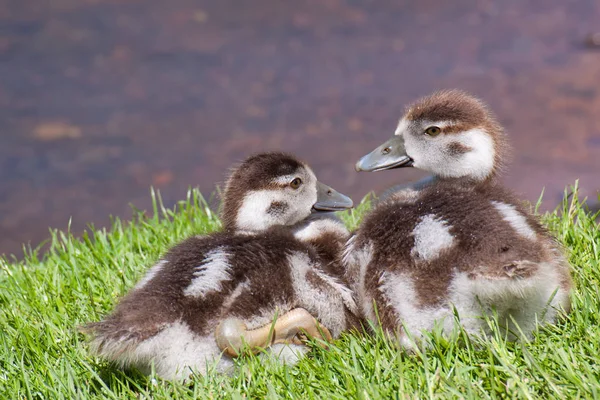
[391, 154]
[329, 199]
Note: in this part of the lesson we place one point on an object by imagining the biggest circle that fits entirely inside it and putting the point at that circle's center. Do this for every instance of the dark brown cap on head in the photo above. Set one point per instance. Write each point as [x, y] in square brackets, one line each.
[257, 170]
[255, 173]
[449, 105]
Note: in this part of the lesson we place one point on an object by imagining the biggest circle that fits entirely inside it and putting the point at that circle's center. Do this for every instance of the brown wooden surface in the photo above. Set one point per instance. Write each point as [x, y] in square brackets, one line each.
[99, 99]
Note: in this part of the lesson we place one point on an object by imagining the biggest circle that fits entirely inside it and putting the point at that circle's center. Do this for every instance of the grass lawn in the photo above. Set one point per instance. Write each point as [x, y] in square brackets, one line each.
[44, 299]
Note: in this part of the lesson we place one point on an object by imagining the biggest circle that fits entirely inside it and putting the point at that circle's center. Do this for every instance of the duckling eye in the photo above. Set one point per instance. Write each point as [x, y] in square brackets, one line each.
[433, 131]
[295, 184]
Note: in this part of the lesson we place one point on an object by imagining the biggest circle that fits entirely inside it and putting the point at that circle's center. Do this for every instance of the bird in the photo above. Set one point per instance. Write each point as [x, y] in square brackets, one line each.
[458, 243]
[210, 297]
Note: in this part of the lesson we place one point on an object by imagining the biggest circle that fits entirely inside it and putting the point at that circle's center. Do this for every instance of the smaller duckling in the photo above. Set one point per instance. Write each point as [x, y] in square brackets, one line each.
[459, 241]
[264, 263]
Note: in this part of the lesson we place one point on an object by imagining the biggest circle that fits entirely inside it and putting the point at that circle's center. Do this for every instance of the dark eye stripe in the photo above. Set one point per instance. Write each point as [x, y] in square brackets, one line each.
[277, 208]
[456, 148]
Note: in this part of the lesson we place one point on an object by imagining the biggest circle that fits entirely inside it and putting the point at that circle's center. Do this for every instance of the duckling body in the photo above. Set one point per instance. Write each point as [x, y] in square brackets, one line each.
[459, 242]
[169, 318]
[420, 254]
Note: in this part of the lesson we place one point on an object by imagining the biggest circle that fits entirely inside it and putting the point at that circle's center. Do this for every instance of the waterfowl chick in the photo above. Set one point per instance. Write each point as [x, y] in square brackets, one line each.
[249, 272]
[461, 241]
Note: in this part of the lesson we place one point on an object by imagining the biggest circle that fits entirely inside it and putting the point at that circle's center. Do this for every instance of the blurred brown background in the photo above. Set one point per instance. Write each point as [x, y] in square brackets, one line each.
[100, 99]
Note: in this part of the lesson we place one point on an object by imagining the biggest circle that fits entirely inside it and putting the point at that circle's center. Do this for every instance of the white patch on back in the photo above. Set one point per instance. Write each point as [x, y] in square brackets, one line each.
[210, 274]
[150, 274]
[515, 219]
[314, 229]
[431, 236]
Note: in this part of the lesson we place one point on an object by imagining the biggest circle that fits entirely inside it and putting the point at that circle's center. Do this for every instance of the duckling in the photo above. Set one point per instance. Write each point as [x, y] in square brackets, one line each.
[263, 263]
[460, 241]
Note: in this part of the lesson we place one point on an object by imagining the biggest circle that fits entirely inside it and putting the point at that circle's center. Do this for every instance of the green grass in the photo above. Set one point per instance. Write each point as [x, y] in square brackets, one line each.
[44, 299]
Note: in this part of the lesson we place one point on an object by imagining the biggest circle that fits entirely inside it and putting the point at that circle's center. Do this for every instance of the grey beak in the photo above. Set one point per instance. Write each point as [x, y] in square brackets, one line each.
[331, 200]
[391, 154]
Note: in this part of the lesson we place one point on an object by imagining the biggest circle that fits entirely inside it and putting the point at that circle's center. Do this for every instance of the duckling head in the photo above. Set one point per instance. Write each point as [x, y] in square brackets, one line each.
[449, 133]
[272, 189]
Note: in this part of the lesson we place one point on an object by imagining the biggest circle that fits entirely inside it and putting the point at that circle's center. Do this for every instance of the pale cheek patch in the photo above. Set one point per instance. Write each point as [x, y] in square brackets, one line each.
[466, 154]
[210, 274]
[479, 162]
[431, 236]
[253, 213]
[262, 209]
[517, 221]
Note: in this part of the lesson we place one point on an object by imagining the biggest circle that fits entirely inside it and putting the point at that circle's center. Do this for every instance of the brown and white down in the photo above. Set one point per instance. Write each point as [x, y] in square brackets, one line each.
[273, 256]
[461, 241]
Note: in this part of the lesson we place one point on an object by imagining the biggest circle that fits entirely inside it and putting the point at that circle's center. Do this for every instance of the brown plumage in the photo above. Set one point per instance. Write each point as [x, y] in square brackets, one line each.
[169, 318]
[460, 240]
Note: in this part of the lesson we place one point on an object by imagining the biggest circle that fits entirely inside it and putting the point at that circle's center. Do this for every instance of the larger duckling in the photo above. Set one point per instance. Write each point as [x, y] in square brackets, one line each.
[263, 263]
[460, 241]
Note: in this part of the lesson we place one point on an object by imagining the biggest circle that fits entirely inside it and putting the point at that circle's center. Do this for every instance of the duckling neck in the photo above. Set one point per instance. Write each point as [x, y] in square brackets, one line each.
[466, 181]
